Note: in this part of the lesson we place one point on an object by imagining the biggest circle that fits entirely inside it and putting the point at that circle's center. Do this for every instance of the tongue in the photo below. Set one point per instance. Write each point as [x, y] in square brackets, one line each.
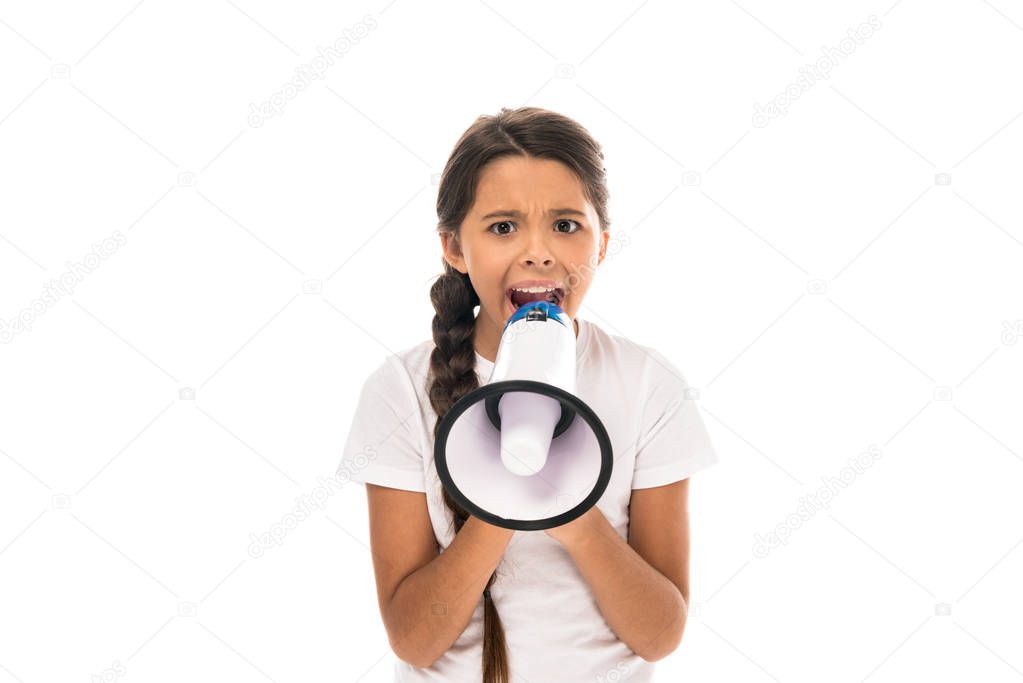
[522, 298]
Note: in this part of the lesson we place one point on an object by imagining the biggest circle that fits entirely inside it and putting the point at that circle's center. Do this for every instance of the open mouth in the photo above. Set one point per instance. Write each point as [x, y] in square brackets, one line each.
[520, 297]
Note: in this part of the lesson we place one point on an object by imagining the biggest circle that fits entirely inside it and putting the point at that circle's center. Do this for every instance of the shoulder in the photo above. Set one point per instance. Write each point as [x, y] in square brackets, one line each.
[402, 371]
[642, 363]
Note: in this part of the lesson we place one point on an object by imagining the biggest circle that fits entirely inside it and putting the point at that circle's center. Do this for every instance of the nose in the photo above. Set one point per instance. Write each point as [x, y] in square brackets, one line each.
[537, 250]
[546, 261]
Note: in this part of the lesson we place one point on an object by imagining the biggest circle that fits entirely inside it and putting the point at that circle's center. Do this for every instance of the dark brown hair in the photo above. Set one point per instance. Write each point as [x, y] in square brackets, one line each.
[528, 132]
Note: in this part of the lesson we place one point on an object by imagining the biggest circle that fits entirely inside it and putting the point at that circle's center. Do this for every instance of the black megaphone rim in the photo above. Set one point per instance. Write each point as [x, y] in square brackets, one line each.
[531, 386]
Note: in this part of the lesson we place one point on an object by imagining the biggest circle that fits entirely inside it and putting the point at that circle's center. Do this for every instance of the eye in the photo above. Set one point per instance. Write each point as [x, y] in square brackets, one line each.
[569, 220]
[578, 226]
[491, 228]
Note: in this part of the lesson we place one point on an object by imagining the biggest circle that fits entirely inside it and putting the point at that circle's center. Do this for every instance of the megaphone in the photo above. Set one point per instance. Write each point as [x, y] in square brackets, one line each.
[523, 451]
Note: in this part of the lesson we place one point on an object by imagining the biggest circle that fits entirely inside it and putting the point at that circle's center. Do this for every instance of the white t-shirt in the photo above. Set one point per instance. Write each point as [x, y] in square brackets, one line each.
[553, 627]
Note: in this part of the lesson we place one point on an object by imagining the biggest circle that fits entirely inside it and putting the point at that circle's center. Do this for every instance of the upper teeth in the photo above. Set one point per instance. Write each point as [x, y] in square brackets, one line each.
[533, 290]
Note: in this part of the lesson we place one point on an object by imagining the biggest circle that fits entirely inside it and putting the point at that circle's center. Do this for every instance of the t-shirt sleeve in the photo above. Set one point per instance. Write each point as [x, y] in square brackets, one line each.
[383, 444]
[673, 443]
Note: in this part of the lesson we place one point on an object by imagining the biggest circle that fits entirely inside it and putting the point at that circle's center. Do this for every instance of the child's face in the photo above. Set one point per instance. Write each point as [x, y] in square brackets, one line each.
[498, 251]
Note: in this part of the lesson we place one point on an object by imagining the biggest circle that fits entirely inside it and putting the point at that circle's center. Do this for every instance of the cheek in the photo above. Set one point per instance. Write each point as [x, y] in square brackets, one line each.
[486, 272]
[581, 269]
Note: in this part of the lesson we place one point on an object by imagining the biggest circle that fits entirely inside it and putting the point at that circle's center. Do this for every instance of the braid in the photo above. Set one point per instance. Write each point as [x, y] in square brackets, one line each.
[453, 375]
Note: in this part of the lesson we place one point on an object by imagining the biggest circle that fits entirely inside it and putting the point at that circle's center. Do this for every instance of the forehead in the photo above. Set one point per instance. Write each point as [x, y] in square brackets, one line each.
[519, 182]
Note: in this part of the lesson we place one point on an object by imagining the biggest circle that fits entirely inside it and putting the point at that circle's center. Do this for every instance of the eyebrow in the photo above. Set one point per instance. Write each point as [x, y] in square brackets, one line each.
[519, 214]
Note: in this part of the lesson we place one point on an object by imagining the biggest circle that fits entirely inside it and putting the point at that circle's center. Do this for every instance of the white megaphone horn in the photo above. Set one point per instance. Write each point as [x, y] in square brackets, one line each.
[523, 451]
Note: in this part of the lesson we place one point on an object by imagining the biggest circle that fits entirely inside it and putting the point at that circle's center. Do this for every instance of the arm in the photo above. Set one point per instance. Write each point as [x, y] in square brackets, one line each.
[641, 587]
[427, 597]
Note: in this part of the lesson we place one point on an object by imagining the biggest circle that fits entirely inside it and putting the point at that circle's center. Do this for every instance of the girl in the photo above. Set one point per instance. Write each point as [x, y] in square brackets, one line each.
[523, 201]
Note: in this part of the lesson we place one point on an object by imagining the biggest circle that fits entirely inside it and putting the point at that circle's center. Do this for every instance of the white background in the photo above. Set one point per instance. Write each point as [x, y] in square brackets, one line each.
[846, 277]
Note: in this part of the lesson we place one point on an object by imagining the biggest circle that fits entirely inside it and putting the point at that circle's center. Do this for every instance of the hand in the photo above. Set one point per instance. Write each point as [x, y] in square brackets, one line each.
[579, 529]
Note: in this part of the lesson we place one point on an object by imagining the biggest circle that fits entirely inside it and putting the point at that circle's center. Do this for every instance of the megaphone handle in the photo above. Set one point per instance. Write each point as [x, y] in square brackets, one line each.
[567, 415]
